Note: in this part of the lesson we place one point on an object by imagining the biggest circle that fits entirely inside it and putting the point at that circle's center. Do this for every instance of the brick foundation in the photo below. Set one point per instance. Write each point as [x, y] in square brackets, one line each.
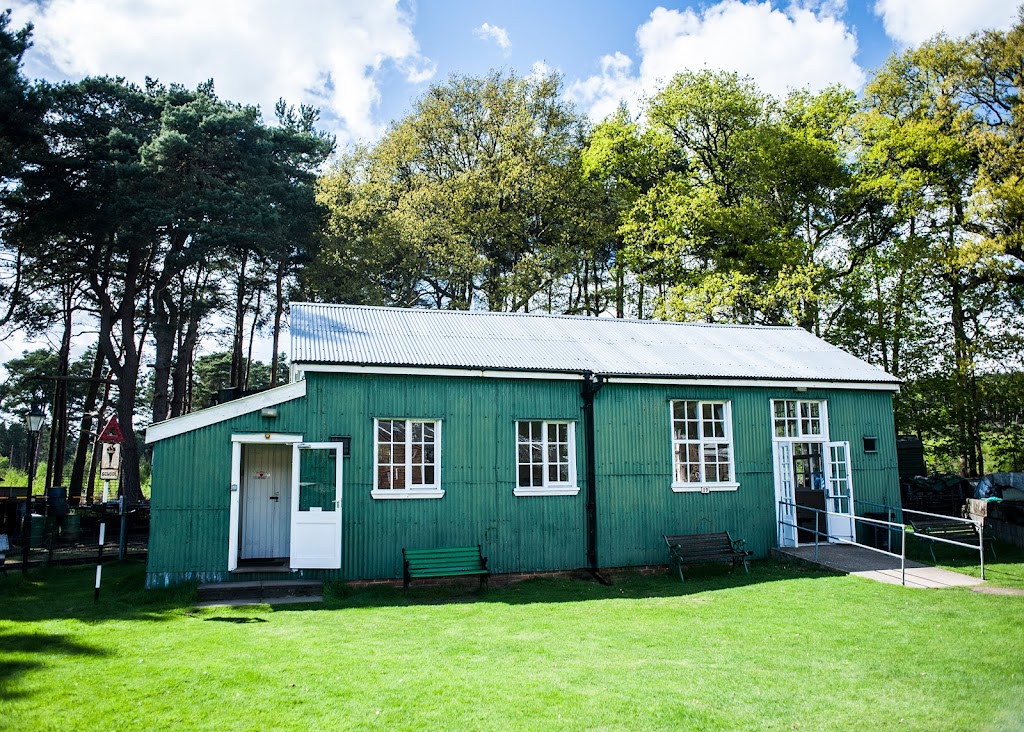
[503, 580]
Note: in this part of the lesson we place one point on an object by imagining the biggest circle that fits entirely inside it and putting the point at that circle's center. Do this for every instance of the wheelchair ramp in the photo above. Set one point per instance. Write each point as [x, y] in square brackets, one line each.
[862, 562]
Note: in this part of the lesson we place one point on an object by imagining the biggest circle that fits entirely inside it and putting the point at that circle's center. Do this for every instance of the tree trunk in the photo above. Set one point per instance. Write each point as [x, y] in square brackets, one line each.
[85, 439]
[164, 329]
[237, 365]
[126, 368]
[275, 359]
[59, 420]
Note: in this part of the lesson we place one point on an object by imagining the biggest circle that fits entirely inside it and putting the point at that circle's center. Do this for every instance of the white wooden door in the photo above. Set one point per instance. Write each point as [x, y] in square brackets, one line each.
[266, 482]
[839, 493]
[316, 505]
[785, 493]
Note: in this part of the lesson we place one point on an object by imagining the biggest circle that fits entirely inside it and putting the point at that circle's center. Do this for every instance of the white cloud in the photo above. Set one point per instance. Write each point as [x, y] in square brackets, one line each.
[804, 45]
[540, 70]
[911, 22]
[496, 33]
[328, 54]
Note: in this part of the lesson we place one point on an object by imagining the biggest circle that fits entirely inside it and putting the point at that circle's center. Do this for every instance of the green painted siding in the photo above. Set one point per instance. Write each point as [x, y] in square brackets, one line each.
[517, 534]
[636, 504]
[191, 494]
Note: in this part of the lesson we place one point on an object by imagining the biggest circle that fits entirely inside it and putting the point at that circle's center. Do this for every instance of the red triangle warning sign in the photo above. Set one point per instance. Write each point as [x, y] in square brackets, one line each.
[112, 432]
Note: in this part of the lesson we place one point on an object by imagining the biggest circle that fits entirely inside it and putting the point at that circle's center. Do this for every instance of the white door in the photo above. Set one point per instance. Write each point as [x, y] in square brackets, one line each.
[785, 493]
[839, 493]
[266, 483]
[316, 505]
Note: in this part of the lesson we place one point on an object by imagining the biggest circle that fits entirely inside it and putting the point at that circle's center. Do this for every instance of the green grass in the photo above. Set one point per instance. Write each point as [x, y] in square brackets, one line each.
[1005, 570]
[780, 649]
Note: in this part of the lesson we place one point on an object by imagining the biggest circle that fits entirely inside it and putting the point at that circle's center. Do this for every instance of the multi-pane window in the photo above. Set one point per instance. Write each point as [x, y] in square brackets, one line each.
[797, 418]
[545, 455]
[407, 455]
[701, 442]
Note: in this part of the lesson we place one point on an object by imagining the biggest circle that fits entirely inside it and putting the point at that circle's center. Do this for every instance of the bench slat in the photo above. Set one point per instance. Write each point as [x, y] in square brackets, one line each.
[444, 562]
[702, 548]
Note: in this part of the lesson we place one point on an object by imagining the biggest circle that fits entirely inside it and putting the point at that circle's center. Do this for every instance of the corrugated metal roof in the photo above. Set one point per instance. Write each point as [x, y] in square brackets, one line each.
[354, 334]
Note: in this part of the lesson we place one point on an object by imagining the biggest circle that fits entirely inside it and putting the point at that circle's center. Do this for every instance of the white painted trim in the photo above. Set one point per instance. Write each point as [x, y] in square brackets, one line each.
[761, 383]
[223, 412]
[300, 369]
[680, 486]
[233, 512]
[704, 487]
[405, 494]
[436, 486]
[296, 558]
[574, 490]
[270, 438]
[336, 368]
[569, 488]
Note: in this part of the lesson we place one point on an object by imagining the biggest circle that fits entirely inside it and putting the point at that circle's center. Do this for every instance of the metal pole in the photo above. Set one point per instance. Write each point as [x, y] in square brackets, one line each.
[26, 525]
[903, 557]
[981, 546]
[122, 545]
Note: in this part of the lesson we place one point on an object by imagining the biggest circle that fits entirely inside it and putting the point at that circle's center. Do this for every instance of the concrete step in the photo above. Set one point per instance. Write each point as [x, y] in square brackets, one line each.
[263, 591]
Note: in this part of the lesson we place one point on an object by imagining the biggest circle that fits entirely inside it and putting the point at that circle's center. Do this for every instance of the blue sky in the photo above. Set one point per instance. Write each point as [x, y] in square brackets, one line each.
[364, 62]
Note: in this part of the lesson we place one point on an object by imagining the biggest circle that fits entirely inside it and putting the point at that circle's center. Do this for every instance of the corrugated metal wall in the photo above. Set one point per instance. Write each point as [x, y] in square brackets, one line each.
[636, 504]
[191, 495]
[517, 534]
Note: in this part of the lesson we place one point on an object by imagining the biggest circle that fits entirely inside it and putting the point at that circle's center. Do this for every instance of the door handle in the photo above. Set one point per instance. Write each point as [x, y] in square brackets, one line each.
[274, 498]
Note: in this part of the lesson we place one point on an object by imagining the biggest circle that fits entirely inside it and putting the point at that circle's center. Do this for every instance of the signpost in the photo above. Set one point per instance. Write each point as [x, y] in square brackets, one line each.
[109, 445]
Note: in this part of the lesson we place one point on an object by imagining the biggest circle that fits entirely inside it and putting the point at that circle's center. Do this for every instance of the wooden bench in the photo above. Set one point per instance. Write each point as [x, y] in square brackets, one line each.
[458, 562]
[703, 548]
[969, 536]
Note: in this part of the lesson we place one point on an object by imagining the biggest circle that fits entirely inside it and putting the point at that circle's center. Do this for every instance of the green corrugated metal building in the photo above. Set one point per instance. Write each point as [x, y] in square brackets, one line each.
[554, 442]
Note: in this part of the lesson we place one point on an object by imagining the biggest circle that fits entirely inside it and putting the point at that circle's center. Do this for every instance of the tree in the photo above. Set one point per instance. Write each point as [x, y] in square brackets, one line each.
[146, 196]
[469, 194]
[21, 115]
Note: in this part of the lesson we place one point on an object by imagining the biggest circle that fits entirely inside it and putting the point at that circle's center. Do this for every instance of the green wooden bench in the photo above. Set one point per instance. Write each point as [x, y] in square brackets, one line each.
[458, 562]
[968, 535]
[704, 548]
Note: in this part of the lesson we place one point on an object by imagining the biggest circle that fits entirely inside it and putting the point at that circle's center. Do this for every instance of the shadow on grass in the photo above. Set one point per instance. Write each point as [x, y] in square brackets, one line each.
[220, 619]
[38, 646]
[582, 588]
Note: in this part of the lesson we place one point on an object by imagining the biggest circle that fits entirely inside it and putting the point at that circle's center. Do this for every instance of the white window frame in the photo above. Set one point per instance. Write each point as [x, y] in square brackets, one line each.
[549, 488]
[802, 436]
[422, 491]
[703, 486]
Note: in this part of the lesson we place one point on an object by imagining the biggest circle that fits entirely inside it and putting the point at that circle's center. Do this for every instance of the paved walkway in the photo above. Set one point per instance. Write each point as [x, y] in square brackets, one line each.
[862, 562]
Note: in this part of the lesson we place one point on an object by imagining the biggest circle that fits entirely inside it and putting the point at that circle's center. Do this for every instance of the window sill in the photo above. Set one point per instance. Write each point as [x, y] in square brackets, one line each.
[569, 491]
[403, 494]
[703, 487]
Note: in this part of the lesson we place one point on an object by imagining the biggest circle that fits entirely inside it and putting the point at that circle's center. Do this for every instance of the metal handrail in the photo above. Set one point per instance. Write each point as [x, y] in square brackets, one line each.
[902, 556]
[903, 528]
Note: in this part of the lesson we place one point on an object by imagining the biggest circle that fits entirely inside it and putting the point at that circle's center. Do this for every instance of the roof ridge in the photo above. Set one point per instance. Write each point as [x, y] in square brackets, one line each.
[553, 316]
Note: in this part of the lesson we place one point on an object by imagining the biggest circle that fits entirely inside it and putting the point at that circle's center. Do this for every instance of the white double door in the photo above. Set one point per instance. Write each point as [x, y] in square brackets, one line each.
[286, 501]
[838, 487]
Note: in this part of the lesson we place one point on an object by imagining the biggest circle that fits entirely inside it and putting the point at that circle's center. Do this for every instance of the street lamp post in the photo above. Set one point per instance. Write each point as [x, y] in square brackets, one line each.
[34, 423]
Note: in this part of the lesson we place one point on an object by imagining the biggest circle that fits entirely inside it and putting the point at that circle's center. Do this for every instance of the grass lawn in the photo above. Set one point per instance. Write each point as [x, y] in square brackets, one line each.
[780, 649]
[1004, 570]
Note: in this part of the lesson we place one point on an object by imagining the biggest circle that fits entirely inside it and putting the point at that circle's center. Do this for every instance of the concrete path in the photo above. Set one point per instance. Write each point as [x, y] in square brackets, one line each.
[264, 601]
[863, 562]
